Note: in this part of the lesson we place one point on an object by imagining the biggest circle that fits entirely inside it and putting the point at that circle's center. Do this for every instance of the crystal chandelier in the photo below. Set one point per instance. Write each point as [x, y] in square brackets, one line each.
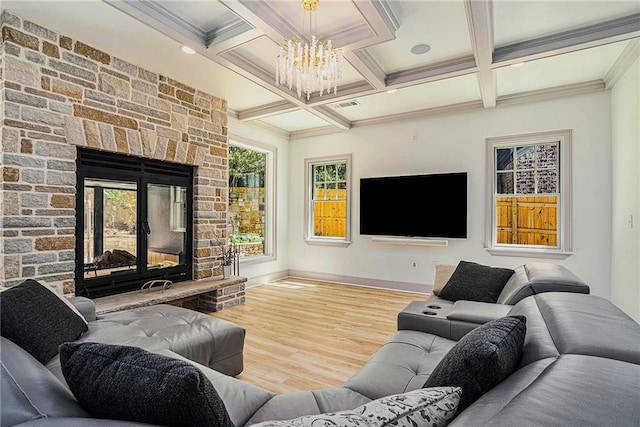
[310, 67]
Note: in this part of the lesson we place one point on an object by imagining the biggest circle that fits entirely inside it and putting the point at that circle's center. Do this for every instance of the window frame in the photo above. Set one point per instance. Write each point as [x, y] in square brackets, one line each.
[270, 184]
[309, 236]
[564, 195]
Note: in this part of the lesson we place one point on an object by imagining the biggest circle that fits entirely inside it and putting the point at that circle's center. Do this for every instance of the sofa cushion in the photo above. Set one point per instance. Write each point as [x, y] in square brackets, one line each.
[481, 359]
[475, 282]
[36, 318]
[432, 407]
[443, 274]
[132, 384]
[28, 391]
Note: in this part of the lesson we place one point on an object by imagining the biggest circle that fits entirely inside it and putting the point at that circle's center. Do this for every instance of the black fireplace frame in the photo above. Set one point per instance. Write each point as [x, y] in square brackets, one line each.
[95, 164]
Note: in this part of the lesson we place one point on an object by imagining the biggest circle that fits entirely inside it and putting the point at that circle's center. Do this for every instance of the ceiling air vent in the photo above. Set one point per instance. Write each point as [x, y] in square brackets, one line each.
[346, 104]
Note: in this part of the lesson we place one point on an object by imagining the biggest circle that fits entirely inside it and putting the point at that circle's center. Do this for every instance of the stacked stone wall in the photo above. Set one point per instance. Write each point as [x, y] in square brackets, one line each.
[59, 93]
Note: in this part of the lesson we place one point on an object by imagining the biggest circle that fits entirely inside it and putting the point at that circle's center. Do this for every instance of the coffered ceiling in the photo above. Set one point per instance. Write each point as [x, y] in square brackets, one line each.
[567, 47]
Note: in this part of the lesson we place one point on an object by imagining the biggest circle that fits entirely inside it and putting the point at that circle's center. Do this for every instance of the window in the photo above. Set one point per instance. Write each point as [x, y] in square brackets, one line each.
[251, 227]
[529, 189]
[327, 200]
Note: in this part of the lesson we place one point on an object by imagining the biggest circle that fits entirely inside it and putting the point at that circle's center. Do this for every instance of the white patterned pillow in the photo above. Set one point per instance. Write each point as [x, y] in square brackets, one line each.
[428, 407]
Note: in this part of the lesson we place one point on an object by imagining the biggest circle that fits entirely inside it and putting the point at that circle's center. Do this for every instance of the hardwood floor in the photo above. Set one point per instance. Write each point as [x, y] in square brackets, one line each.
[303, 335]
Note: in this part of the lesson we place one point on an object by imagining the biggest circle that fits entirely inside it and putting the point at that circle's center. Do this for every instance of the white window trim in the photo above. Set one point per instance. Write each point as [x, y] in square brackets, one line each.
[270, 239]
[309, 237]
[564, 248]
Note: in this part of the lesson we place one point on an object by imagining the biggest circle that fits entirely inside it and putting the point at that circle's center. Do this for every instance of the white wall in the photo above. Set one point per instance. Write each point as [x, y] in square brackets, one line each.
[456, 142]
[625, 112]
[263, 271]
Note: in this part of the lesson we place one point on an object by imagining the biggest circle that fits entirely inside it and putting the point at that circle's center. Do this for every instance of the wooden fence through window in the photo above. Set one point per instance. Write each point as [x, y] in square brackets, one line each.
[330, 213]
[529, 220]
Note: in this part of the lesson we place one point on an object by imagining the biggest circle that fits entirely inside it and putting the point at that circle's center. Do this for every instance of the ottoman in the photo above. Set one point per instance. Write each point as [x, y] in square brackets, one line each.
[210, 341]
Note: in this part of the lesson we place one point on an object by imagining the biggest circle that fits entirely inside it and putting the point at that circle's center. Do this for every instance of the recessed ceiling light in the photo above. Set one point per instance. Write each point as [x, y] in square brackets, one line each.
[187, 49]
[517, 64]
[392, 90]
[420, 49]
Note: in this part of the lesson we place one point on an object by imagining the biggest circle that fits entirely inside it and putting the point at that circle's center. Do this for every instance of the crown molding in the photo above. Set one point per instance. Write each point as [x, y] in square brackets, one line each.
[626, 59]
[568, 41]
[551, 93]
[325, 130]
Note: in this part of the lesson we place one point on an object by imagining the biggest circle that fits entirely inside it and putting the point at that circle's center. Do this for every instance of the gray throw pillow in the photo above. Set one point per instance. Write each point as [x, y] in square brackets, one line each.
[132, 384]
[475, 282]
[38, 320]
[481, 359]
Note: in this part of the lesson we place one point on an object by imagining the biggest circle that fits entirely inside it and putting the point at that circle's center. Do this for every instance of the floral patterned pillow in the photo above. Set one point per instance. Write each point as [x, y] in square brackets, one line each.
[428, 407]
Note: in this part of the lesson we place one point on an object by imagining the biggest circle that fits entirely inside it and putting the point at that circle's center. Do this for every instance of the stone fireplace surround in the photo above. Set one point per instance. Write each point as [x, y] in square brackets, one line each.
[59, 93]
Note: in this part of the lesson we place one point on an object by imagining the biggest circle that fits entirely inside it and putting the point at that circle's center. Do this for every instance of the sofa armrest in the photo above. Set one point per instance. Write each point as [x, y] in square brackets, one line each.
[85, 306]
[477, 312]
[538, 277]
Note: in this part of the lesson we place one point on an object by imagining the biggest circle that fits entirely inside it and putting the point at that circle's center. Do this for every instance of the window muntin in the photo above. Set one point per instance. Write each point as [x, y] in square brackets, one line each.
[328, 218]
[530, 193]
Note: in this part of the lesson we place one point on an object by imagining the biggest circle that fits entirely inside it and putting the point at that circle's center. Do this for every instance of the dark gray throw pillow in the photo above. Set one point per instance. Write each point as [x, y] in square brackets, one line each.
[35, 318]
[475, 282]
[132, 384]
[481, 359]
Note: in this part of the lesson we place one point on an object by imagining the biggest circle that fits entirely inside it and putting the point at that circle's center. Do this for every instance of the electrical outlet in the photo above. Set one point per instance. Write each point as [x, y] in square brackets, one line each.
[302, 254]
[414, 264]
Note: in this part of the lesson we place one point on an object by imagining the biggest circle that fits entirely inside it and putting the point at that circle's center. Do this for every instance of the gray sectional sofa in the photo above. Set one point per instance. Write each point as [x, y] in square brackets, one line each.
[454, 319]
[580, 366]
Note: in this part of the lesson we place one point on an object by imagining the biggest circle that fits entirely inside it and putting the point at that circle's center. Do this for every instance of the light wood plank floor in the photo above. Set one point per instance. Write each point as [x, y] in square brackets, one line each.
[303, 335]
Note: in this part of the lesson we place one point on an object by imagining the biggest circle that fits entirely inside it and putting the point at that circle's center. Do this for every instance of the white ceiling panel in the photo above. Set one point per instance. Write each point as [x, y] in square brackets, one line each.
[435, 94]
[296, 121]
[521, 20]
[441, 24]
[581, 66]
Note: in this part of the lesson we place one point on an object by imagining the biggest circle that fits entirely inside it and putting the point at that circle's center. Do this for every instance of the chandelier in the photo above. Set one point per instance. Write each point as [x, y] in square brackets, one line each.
[314, 66]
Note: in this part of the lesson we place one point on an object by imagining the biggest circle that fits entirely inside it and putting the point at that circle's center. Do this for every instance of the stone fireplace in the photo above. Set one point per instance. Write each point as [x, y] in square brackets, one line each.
[60, 94]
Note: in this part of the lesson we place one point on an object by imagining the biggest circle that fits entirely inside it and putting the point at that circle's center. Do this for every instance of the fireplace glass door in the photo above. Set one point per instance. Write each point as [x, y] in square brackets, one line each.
[110, 227]
[134, 220]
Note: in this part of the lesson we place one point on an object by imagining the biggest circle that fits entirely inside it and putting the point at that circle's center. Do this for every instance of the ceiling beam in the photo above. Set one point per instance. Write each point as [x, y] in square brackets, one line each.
[331, 116]
[611, 31]
[439, 71]
[480, 22]
[267, 110]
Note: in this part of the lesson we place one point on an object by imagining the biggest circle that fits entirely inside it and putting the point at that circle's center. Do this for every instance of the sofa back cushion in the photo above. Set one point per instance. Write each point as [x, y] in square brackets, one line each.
[29, 391]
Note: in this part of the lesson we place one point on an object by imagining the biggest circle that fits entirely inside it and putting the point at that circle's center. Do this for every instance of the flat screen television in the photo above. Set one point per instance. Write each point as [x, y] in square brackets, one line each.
[433, 205]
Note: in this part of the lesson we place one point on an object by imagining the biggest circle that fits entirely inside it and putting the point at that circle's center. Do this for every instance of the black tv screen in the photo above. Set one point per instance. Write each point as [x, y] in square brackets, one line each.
[433, 205]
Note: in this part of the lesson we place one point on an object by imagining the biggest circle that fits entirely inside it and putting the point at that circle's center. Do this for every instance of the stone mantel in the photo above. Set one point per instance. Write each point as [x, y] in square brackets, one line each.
[211, 294]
